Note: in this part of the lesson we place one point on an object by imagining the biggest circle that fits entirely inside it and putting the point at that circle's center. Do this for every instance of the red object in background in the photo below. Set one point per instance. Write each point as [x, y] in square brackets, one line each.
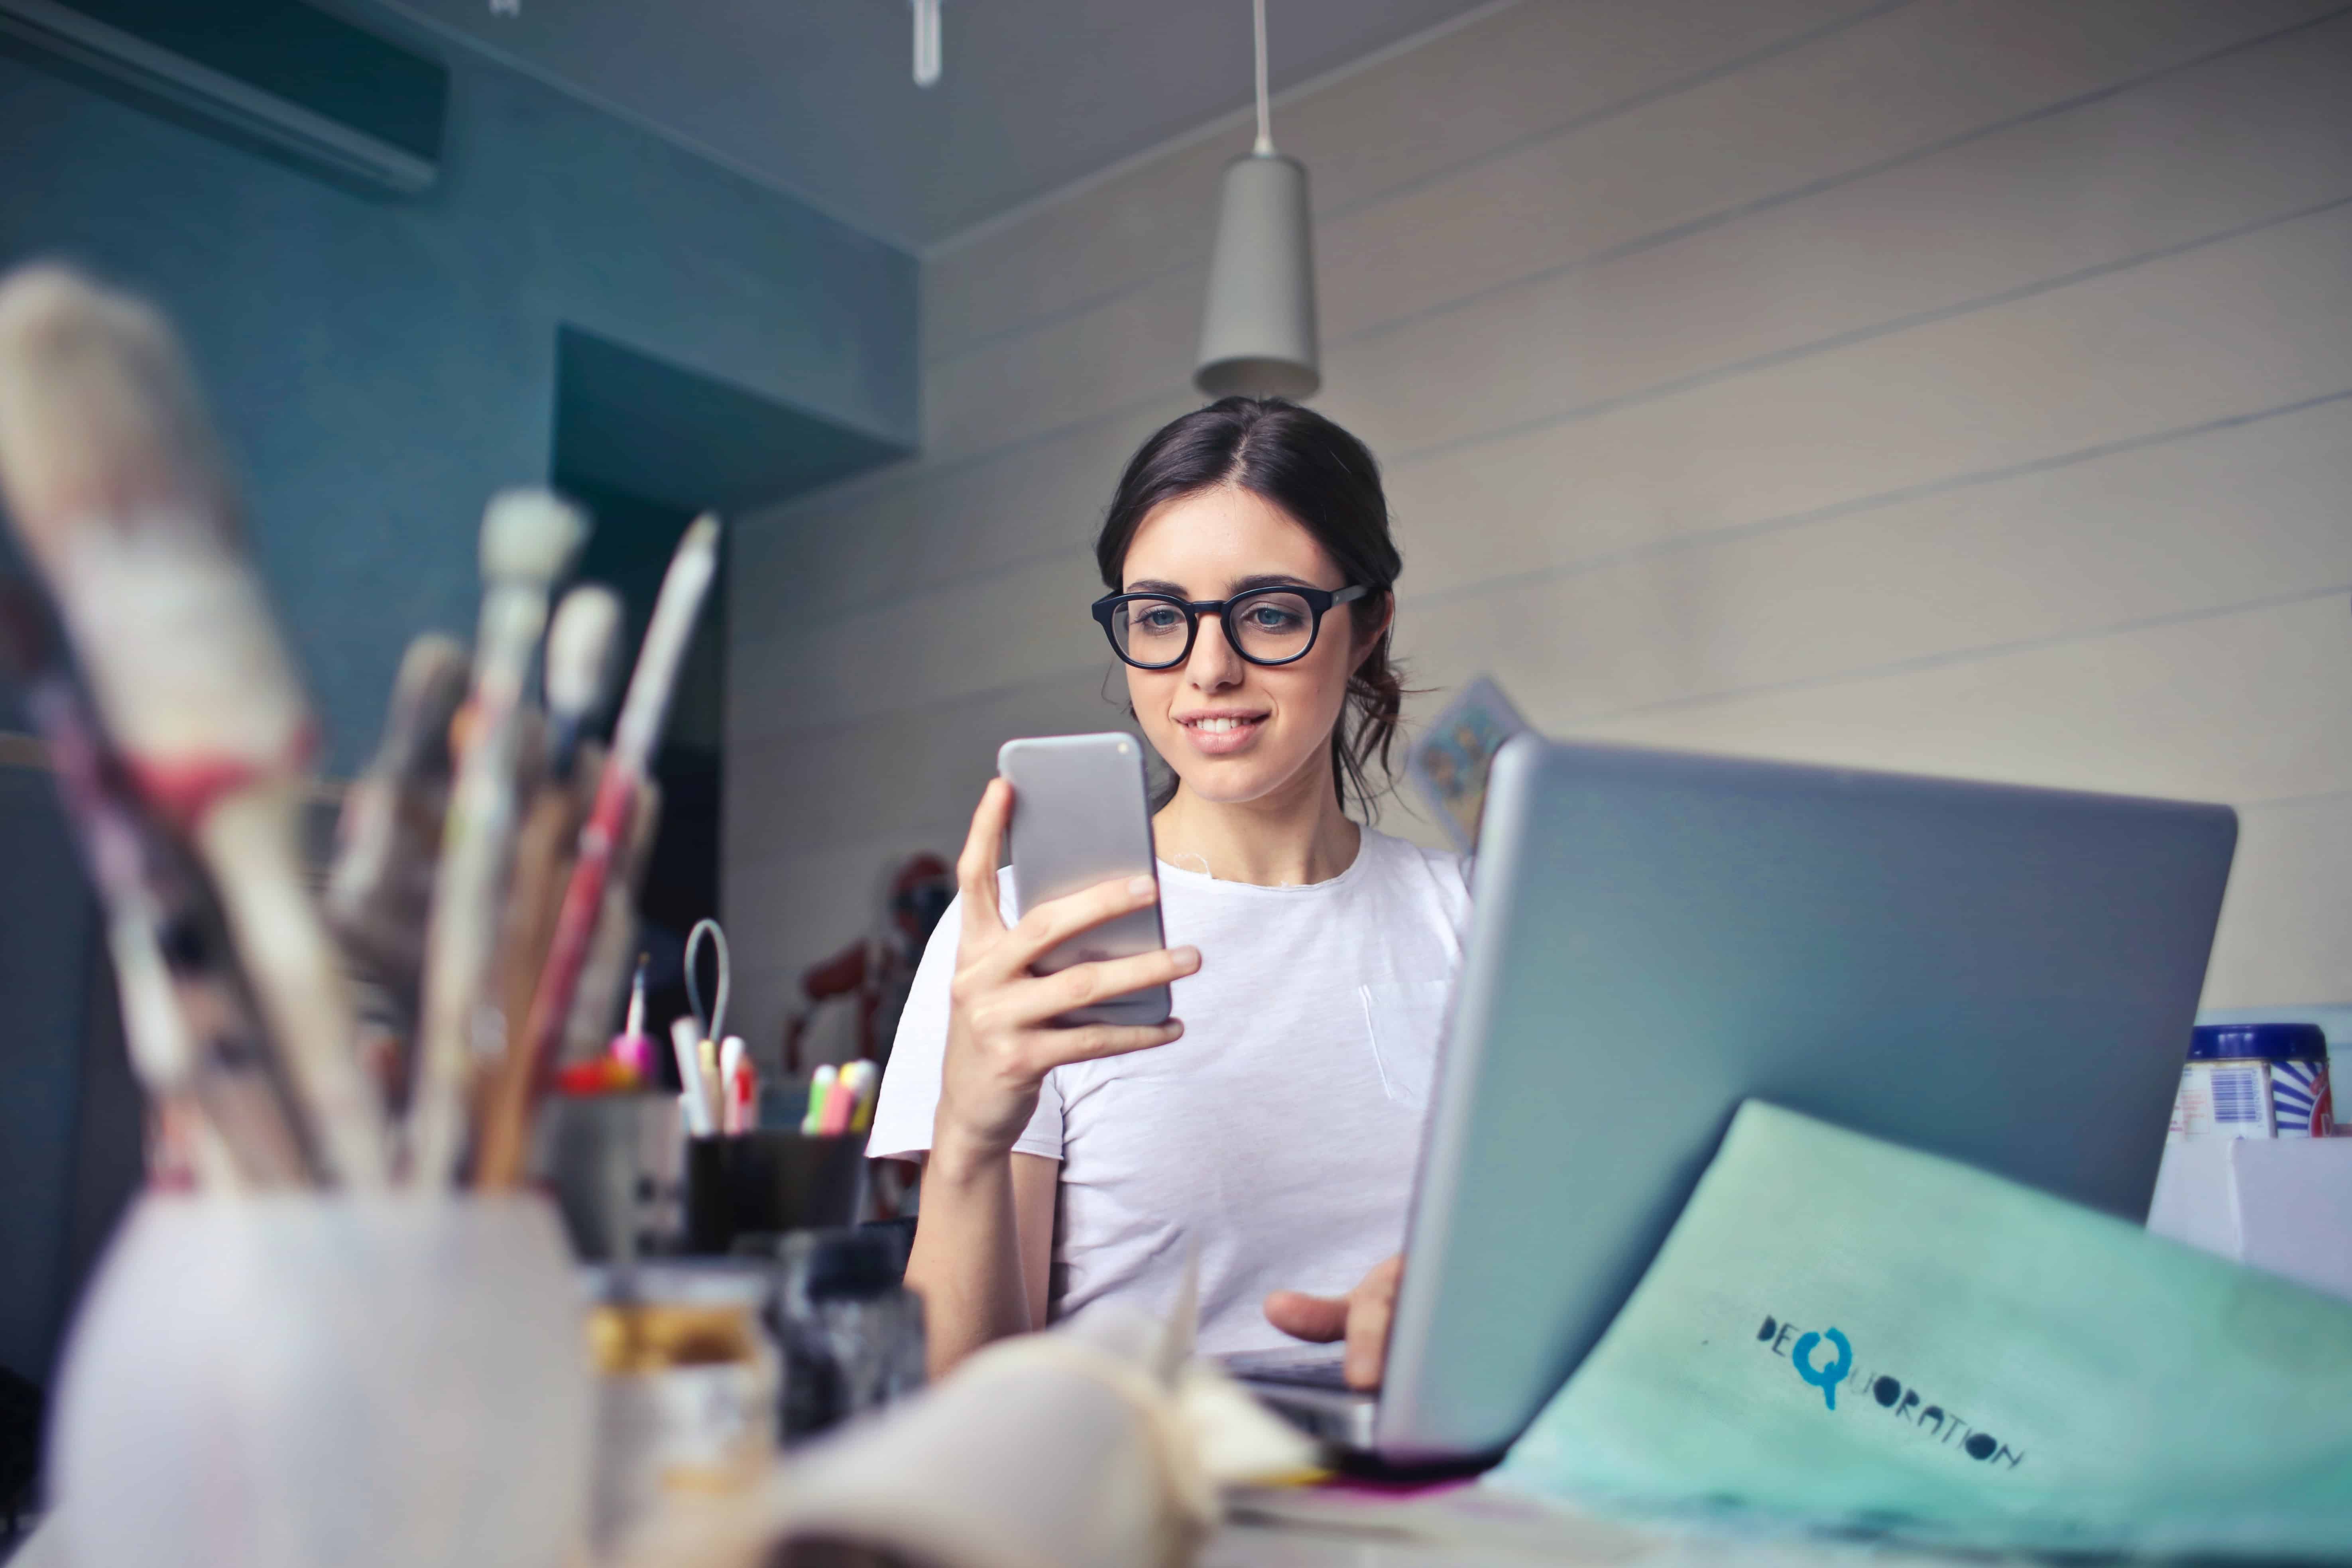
[598, 1075]
[876, 970]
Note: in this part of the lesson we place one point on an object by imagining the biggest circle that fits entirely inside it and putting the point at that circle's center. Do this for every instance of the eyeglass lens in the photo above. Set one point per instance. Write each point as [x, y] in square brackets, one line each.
[1268, 628]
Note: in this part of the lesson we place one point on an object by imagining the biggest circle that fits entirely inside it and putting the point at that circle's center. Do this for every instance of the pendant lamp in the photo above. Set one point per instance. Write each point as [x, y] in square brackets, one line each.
[1257, 330]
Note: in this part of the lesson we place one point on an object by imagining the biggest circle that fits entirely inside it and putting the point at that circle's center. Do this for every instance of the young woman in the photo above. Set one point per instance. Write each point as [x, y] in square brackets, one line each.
[1274, 1127]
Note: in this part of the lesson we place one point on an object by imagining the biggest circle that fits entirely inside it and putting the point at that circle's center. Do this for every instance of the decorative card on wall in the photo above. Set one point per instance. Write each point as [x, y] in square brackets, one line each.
[1449, 763]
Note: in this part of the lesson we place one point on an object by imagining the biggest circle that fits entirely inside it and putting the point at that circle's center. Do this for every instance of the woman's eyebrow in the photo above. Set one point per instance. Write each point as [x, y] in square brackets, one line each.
[1239, 585]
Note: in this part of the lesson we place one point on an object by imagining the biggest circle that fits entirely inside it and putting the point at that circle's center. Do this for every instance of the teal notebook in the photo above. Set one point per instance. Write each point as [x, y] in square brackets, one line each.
[1844, 1334]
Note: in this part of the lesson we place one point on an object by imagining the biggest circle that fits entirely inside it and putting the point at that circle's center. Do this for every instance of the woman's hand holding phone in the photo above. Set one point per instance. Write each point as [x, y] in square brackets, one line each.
[1002, 1040]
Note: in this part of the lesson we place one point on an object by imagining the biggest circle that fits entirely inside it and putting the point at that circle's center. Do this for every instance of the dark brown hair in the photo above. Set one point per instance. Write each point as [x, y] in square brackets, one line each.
[1327, 482]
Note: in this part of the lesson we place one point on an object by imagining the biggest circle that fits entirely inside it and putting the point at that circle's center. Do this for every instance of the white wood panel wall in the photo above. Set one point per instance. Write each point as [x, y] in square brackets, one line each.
[1960, 385]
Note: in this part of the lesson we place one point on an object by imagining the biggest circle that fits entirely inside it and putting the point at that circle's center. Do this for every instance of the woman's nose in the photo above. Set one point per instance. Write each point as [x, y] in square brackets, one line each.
[1214, 664]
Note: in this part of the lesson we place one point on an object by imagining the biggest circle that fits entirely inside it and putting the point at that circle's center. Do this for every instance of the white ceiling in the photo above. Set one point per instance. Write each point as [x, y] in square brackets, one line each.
[814, 97]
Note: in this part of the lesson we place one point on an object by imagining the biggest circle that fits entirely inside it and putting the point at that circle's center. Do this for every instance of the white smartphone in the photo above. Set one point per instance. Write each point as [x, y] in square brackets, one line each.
[1081, 815]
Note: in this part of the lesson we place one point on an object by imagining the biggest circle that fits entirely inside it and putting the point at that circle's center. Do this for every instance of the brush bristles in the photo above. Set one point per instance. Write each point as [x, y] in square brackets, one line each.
[430, 687]
[114, 483]
[580, 649]
[529, 537]
[99, 420]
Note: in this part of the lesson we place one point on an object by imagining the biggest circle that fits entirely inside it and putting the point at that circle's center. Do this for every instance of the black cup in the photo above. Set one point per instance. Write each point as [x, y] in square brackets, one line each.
[773, 1180]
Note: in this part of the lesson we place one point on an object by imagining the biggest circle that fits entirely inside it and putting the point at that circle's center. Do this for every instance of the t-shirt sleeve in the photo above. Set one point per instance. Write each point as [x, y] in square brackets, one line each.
[910, 1084]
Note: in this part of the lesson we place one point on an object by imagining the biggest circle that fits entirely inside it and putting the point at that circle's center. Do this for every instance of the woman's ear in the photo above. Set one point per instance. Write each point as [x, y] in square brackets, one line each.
[1370, 637]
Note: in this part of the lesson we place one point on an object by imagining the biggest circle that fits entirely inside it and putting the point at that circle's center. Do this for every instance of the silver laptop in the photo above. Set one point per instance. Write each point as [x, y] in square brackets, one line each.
[2003, 975]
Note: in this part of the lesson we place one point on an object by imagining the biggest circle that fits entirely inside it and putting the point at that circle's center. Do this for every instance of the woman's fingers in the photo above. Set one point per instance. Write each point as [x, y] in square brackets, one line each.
[1361, 1317]
[1318, 1317]
[1056, 921]
[1089, 1042]
[1369, 1308]
[976, 866]
[1083, 985]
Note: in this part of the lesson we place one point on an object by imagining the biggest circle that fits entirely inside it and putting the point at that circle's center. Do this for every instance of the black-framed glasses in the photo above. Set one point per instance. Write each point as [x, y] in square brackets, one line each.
[1265, 625]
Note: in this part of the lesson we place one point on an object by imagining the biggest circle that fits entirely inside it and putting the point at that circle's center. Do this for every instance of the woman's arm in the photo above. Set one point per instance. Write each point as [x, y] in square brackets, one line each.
[985, 1238]
[984, 1247]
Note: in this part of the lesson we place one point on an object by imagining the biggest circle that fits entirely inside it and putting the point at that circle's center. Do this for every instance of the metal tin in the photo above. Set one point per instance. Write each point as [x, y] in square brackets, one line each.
[686, 1385]
[2255, 1081]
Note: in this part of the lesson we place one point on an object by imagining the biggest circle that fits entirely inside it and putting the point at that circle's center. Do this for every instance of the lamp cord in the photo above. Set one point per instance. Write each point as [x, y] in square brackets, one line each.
[1265, 148]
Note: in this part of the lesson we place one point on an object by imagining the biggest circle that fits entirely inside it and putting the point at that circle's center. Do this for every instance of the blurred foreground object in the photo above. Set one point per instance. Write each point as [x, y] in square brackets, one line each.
[114, 484]
[1841, 1334]
[1098, 1444]
[348, 1379]
[2282, 1205]
[221, 1115]
[686, 1388]
[380, 888]
[851, 1331]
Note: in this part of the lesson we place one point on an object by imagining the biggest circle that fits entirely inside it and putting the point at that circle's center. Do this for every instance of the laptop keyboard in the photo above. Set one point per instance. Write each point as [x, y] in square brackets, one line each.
[1310, 1371]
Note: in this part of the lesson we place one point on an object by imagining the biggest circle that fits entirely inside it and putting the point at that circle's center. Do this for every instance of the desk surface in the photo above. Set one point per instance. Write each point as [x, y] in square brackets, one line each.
[1475, 1527]
[1285, 1546]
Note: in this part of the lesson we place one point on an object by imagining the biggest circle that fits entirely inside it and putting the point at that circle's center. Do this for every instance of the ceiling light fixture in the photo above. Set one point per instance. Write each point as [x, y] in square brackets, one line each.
[927, 42]
[1257, 329]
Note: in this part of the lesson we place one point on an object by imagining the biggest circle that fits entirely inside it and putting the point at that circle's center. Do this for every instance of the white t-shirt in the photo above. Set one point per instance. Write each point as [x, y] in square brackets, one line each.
[1279, 1133]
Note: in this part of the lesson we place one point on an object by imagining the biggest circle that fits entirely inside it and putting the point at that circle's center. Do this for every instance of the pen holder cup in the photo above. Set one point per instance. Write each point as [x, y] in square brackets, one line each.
[284, 1380]
[748, 1183]
[616, 1163]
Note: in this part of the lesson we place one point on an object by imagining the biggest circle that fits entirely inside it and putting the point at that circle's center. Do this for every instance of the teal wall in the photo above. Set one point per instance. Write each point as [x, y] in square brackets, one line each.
[378, 367]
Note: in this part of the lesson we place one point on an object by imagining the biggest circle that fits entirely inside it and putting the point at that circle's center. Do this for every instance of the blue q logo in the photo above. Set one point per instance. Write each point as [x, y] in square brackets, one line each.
[1825, 1378]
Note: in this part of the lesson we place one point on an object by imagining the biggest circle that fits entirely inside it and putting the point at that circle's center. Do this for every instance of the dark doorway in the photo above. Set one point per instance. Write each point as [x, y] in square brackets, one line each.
[628, 552]
[644, 444]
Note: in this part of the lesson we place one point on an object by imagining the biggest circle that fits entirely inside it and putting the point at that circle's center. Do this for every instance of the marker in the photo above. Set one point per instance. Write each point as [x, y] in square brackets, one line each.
[736, 1077]
[692, 1108]
[820, 1090]
[840, 1103]
[630, 1046]
[714, 1102]
[869, 1083]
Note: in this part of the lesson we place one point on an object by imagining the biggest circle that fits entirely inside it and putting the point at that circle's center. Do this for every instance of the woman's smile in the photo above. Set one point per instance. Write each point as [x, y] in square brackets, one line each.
[1222, 731]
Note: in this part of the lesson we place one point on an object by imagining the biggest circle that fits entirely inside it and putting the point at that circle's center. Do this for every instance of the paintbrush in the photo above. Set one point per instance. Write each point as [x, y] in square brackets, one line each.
[604, 971]
[528, 537]
[635, 737]
[579, 658]
[380, 888]
[184, 1016]
[581, 642]
[109, 470]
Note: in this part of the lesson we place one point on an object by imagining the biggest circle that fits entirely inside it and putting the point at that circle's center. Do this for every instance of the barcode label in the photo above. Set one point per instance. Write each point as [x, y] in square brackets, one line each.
[2237, 1097]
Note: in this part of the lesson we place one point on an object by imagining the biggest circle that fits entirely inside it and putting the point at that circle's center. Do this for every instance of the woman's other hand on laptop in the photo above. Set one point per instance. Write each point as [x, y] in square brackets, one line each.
[1360, 1316]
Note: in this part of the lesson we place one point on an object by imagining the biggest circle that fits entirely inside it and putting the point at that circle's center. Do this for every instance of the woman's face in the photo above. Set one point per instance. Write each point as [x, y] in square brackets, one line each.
[1234, 730]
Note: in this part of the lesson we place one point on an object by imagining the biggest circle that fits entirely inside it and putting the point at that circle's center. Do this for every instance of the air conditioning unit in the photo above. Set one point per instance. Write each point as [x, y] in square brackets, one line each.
[287, 75]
